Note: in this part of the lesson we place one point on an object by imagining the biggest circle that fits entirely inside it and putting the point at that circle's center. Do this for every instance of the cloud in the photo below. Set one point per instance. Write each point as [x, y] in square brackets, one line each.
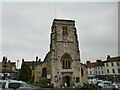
[27, 28]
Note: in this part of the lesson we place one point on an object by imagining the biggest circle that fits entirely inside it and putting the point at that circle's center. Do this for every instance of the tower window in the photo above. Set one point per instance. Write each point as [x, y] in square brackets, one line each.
[66, 61]
[66, 64]
[65, 33]
[82, 73]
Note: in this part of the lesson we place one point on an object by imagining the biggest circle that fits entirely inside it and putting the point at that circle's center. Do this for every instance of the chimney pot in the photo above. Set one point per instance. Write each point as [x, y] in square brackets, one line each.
[88, 62]
[108, 57]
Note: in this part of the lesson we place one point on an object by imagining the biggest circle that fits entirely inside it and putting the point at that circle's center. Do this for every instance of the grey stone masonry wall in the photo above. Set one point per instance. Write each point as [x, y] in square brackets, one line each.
[63, 60]
[64, 41]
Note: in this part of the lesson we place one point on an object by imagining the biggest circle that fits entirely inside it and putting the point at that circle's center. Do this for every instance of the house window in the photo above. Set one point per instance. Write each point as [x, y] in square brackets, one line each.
[107, 64]
[102, 72]
[117, 63]
[113, 70]
[99, 72]
[44, 72]
[101, 67]
[77, 79]
[66, 61]
[96, 72]
[112, 64]
[118, 70]
[90, 72]
[107, 70]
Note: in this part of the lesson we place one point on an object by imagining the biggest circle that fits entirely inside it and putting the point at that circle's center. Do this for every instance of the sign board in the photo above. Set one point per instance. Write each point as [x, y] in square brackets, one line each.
[48, 76]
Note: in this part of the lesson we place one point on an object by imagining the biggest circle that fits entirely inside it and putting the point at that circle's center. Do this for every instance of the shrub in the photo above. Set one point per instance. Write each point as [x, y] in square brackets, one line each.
[89, 86]
[45, 83]
[72, 84]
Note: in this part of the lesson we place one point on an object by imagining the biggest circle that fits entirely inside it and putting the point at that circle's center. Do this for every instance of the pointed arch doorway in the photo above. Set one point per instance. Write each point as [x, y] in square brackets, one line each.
[66, 79]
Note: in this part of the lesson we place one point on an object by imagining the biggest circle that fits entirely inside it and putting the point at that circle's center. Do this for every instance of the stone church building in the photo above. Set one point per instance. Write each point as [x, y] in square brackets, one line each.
[62, 62]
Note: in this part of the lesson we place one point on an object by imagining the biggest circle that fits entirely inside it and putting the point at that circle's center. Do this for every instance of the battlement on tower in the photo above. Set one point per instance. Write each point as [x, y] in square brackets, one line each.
[63, 22]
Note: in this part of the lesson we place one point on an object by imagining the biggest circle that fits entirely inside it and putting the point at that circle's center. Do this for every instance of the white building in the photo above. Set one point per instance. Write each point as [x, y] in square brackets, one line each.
[91, 69]
[100, 69]
[112, 65]
[108, 69]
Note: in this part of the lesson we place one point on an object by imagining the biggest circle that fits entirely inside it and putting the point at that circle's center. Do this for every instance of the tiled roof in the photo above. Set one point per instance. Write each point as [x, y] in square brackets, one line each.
[112, 59]
[91, 65]
[29, 63]
[99, 64]
[12, 63]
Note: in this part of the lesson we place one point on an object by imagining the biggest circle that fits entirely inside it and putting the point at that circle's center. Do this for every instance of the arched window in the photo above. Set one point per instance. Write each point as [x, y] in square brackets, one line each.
[66, 61]
[44, 72]
[82, 73]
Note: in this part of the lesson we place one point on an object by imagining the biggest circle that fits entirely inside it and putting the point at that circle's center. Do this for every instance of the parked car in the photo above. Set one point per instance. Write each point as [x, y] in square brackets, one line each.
[32, 88]
[116, 84]
[12, 84]
[105, 84]
[98, 81]
[94, 81]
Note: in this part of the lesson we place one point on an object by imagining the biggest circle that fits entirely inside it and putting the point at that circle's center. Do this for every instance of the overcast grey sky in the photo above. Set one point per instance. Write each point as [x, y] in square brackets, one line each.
[26, 28]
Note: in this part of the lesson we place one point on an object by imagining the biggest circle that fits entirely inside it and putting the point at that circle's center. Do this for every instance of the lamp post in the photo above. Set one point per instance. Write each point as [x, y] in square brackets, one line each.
[17, 70]
[114, 78]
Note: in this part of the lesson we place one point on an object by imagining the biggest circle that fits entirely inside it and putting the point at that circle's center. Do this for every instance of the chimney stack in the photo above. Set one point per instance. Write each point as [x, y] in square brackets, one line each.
[36, 58]
[22, 60]
[108, 57]
[88, 62]
[39, 60]
[98, 61]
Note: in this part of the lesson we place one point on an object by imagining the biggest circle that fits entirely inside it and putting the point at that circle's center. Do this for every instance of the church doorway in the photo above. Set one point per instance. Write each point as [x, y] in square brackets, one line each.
[66, 80]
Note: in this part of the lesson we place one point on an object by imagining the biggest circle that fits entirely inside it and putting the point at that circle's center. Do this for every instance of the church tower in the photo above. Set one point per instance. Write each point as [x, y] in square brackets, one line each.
[62, 62]
[65, 61]
[64, 38]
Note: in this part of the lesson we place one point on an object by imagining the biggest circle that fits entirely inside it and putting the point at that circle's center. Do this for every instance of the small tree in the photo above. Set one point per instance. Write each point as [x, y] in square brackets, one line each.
[25, 73]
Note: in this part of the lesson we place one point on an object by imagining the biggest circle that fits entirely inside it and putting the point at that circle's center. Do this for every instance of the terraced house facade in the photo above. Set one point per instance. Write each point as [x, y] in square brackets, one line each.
[108, 69]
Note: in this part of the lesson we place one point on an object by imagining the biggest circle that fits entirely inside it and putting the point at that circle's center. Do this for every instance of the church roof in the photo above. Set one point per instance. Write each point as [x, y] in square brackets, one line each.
[29, 63]
[48, 56]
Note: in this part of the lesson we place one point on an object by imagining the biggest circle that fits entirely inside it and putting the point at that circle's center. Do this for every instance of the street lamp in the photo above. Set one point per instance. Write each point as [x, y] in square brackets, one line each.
[114, 78]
